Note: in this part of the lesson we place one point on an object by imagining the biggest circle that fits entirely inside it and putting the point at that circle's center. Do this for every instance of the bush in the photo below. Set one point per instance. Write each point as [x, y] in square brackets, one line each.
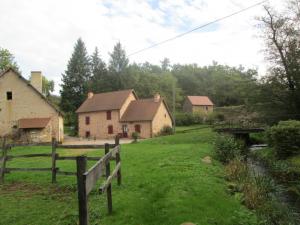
[187, 119]
[227, 148]
[285, 138]
[135, 136]
[257, 191]
[166, 130]
[215, 117]
[237, 170]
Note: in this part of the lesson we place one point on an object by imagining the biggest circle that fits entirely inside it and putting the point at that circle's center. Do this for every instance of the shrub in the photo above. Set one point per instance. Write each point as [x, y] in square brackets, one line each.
[227, 148]
[166, 130]
[237, 170]
[215, 117]
[186, 119]
[285, 138]
[258, 190]
[135, 136]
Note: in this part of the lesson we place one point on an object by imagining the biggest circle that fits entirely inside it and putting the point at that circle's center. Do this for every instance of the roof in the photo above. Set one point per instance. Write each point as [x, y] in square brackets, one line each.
[200, 100]
[33, 88]
[33, 123]
[105, 101]
[141, 110]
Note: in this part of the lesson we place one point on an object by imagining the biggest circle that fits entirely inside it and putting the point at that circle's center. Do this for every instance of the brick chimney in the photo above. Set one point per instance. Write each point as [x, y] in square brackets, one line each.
[156, 97]
[36, 80]
[90, 95]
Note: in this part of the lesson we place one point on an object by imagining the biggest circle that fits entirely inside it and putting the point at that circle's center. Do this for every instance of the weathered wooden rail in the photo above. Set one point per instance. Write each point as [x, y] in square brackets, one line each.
[86, 179]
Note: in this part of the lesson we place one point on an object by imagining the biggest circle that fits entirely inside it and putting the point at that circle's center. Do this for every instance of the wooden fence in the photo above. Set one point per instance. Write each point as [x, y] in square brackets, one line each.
[86, 180]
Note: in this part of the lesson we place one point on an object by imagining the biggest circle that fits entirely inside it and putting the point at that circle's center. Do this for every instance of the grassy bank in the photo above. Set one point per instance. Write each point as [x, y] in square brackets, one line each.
[164, 182]
[285, 171]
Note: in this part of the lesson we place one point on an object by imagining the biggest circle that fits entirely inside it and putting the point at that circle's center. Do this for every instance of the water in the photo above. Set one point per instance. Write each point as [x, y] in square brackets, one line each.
[282, 194]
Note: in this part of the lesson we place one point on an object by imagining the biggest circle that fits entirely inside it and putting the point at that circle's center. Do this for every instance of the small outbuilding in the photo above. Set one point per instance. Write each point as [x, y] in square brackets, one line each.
[198, 104]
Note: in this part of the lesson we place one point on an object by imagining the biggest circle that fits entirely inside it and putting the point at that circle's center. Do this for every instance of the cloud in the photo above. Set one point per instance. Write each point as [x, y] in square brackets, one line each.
[41, 34]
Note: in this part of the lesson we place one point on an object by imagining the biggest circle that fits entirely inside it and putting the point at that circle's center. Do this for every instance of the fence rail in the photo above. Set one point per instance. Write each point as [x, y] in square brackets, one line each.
[86, 179]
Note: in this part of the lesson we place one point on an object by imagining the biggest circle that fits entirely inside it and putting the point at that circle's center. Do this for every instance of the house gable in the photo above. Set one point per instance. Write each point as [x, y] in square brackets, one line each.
[25, 102]
[162, 118]
[11, 72]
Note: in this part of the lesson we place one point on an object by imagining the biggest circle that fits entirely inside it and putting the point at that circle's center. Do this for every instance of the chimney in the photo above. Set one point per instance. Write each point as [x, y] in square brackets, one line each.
[90, 95]
[156, 97]
[36, 80]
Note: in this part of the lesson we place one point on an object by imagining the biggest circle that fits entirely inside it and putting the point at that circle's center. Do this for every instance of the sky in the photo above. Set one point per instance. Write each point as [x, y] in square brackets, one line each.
[42, 34]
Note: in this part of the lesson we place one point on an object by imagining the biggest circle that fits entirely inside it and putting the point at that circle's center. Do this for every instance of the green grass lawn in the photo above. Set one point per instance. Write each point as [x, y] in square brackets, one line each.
[164, 182]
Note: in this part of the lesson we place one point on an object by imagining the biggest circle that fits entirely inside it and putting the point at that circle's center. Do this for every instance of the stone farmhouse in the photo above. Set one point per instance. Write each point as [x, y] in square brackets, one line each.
[24, 110]
[107, 114]
[198, 104]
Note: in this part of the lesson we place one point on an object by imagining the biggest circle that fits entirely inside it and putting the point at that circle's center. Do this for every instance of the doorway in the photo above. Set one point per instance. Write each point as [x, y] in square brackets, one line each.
[125, 131]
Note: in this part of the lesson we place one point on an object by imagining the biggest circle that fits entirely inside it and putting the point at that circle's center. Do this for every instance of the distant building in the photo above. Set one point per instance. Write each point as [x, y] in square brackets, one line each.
[105, 115]
[198, 104]
[24, 110]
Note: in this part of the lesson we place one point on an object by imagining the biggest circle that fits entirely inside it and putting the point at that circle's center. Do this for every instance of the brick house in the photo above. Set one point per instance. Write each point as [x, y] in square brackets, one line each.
[121, 112]
[198, 104]
[24, 110]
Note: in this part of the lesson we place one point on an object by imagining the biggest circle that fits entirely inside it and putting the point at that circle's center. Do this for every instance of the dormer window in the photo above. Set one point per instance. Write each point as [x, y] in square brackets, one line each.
[9, 95]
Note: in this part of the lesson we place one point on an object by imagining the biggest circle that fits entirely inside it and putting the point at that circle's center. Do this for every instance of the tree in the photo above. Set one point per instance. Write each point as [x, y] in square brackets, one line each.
[47, 86]
[7, 60]
[99, 79]
[165, 64]
[75, 80]
[118, 64]
[281, 32]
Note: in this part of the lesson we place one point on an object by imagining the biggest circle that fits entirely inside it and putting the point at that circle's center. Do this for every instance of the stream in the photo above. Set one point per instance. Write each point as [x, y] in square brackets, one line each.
[283, 195]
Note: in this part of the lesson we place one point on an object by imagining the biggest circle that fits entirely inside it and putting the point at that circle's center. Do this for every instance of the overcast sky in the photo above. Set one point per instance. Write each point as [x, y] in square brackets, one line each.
[41, 33]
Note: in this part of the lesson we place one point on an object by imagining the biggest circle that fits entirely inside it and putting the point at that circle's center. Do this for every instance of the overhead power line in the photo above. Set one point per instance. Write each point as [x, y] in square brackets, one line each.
[197, 28]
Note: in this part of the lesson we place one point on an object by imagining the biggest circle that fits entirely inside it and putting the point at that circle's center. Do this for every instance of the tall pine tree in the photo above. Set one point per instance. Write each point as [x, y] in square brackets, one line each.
[75, 81]
[118, 64]
[99, 73]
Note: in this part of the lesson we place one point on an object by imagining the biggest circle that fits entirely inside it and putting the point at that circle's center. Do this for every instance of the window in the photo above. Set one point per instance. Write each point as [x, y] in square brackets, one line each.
[108, 115]
[206, 108]
[87, 120]
[110, 129]
[9, 95]
[87, 134]
[137, 128]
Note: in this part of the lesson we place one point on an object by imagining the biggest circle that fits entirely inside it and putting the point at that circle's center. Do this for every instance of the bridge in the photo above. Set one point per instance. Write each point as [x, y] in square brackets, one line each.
[240, 133]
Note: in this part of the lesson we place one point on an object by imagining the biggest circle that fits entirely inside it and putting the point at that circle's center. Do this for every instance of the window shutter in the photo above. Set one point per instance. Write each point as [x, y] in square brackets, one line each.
[110, 129]
[108, 115]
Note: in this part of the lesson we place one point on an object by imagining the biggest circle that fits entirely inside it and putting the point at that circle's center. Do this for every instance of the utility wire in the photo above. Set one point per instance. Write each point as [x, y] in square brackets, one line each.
[197, 28]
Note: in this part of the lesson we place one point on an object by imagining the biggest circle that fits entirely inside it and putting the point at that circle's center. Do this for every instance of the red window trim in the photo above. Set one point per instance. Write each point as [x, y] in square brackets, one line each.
[87, 120]
[108, 115]
[110, 129]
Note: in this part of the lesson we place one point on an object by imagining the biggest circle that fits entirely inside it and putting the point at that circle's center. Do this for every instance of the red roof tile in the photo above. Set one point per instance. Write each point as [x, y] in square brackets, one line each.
[200, 100]
[33, 123]
[141, 110]
[105, 101]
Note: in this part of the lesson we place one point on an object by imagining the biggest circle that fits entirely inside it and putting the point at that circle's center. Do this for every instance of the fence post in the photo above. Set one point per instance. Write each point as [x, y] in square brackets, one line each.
[81, 188]
[3, 160]
[118, 159]
[53, 160]
[108, 190]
